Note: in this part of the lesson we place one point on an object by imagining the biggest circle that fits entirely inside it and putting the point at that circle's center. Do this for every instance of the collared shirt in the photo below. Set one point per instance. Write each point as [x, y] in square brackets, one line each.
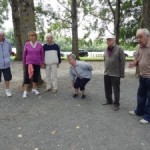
[81, 69]
[142, 56]
[110, 51]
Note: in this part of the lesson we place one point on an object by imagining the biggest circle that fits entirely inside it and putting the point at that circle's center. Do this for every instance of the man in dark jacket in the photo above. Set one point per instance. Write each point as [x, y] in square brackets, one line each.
[114, 61]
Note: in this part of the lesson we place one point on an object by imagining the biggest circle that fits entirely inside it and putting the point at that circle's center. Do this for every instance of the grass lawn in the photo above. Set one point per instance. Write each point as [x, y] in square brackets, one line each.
[97, 59]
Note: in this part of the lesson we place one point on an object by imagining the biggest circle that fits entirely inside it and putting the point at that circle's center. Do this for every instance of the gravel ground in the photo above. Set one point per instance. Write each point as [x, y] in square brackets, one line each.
[59, 122]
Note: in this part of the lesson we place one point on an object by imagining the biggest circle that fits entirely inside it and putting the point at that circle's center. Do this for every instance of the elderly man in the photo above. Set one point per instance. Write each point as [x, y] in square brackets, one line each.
[81, 73]
[142, 58]
[52, 61]
[5, 50]
[114, 61]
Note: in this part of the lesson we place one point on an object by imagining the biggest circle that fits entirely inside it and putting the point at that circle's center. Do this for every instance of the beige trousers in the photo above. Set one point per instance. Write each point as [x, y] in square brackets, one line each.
[51, 76]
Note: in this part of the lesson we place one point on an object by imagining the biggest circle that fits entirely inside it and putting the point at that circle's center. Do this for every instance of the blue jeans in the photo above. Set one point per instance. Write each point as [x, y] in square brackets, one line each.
[143, 98]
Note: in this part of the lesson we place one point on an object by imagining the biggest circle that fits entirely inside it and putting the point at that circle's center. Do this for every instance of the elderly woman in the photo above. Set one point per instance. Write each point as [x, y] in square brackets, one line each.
[33, 59]
[81, 73]
[52, 60]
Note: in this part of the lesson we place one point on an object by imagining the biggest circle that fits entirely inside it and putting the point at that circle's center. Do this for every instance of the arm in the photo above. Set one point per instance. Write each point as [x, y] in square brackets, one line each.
[59, 56]
[24, 54]
[42, 55]
[134, 63]
[87, 66]
[122, 63]
[72, 76]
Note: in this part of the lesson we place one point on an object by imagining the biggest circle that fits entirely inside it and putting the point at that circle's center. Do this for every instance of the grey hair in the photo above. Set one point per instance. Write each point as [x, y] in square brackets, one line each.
[145, 31]
[73, 56]
[2, 32]
[48, 35]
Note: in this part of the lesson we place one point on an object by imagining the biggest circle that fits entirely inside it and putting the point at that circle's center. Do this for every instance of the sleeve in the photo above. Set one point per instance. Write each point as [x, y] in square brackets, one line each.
[58, 52]
[87, 66]
[42, 55]
[72, 76]
[122, 62]
[10, 48]
[137, 55]
[24, 54]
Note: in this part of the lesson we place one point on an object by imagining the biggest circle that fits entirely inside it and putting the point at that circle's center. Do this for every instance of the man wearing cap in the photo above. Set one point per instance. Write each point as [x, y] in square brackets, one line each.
[114, 63]
[5, 51]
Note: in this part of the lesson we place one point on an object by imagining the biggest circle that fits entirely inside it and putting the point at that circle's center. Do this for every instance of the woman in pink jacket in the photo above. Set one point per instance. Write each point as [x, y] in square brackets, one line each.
[33, 59]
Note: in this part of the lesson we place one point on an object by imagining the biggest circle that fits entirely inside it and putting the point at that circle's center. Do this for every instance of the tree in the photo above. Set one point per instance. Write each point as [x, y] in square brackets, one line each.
[3, 11]
[23, 22]
[74, 18]
[122, 15]
[145, 22]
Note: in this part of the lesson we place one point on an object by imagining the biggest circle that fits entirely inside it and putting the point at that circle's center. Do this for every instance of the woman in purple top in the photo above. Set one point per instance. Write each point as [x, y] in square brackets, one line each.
[33, 59]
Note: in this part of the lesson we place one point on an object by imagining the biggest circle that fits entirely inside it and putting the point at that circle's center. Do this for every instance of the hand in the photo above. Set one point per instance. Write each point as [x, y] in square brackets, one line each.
[122, 76]
[132, 64]
[43, 66]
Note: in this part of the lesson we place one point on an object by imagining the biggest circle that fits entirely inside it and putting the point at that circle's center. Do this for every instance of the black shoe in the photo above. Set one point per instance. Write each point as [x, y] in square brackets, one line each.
[107, 103]
[75, 95]
[116, 107]
[83, 96]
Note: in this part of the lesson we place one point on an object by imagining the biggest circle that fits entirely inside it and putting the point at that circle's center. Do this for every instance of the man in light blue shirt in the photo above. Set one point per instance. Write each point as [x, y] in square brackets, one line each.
[5, 51]
[81, 73]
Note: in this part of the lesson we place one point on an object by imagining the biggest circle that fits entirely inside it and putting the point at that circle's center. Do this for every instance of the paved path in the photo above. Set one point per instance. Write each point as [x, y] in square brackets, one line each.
[59, 122]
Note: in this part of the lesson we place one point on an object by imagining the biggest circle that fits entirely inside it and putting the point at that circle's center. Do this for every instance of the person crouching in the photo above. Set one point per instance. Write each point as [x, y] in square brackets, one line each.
[81, 73]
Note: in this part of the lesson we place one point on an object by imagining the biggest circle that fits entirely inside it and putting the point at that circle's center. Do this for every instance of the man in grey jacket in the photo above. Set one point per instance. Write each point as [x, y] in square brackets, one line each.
[5, 51]
[114, 61]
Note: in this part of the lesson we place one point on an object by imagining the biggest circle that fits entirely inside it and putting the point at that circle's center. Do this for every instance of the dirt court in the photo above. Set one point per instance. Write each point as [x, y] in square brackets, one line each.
[59, 122]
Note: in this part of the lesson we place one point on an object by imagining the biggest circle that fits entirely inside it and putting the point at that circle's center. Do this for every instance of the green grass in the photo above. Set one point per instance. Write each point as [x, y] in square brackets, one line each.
[97, 59]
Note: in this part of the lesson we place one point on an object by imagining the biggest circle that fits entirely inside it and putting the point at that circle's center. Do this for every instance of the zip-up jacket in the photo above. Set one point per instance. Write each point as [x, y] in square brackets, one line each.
[5, 50]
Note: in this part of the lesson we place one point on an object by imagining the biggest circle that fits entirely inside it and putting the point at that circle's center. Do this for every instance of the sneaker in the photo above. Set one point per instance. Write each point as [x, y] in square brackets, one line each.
[8, 93]
[35, 91]
[143, 121]
[132, 112]
[47, 89]
[54, 91]
[83, 96]
[116, 107]
[25, 93]
[75, 95]
[107, 103]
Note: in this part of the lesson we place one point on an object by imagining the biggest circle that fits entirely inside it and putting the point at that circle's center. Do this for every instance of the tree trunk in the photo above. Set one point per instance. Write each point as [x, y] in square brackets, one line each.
[27, 18]
[17, 32]
[145, 22]
[74, 28]
[117, 21]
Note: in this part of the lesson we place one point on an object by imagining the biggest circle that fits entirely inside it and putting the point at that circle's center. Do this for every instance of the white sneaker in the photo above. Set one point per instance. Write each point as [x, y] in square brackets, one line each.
[132, 112]
[25, 93]
[8, 93]
[35, 91]
[143, 121]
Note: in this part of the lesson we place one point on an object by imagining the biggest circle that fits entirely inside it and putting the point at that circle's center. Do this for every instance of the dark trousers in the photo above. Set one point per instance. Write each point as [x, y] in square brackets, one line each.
[80, 83]
[112, 83]
[143, 98]
[36, 74]
[6, 74]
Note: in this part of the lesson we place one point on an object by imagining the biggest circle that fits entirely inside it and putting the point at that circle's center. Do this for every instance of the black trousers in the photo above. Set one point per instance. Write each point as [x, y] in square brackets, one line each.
[80, 83]
[6, 74]
[35, 74]
[112, 84]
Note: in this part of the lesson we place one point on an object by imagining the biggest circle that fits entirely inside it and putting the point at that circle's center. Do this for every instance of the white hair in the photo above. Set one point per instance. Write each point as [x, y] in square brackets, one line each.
[2, 32]
[144, 31]
[73, 56]
[48, 35]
